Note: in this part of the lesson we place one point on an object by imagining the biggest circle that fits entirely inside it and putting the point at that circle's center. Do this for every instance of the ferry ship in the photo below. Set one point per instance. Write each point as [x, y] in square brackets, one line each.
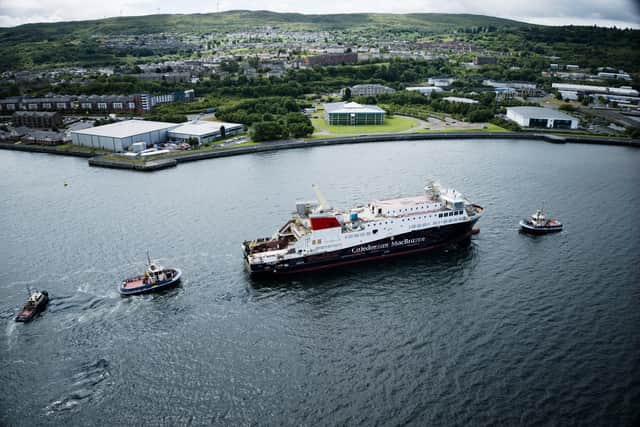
[319, 236]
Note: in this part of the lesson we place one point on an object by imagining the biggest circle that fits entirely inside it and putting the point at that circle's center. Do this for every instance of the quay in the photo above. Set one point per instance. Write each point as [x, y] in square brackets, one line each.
[107, 160]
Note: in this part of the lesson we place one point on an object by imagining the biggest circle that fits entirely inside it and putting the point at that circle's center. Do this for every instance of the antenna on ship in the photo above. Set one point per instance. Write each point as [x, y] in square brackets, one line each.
[324, 205]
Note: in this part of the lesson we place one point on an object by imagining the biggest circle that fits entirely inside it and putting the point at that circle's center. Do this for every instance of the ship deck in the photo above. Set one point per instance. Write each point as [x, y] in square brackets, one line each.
[133, 283]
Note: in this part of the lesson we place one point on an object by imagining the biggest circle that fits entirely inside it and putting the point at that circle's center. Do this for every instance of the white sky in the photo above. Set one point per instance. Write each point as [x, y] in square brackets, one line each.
[622, 13]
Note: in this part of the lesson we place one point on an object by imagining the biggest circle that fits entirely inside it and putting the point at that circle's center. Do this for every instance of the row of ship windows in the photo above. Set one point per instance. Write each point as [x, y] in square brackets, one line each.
[352, 236]
[446, 214]
[440, 215]
[419, 208]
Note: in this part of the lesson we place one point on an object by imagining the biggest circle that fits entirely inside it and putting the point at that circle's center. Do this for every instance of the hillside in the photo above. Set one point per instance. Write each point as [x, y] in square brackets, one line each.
[77, 42]
[82, 43]
[242, 20]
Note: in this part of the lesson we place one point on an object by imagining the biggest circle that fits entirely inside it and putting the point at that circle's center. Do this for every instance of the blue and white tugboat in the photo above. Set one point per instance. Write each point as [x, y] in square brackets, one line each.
[155, 278]
[538, 224]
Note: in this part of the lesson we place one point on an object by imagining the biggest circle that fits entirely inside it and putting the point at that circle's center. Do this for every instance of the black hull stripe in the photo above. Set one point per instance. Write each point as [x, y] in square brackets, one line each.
[336, 262]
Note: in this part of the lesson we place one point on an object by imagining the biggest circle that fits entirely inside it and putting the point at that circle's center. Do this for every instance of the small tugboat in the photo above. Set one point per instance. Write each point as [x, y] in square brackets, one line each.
[155, 278]
[538, 224]
[36, 303]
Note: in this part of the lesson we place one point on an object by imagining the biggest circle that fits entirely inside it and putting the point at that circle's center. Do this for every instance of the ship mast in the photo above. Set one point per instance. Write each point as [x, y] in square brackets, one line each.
[324, 205]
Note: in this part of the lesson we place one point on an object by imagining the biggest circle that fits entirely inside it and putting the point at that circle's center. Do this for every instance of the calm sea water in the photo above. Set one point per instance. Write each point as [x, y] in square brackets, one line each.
[514, 330]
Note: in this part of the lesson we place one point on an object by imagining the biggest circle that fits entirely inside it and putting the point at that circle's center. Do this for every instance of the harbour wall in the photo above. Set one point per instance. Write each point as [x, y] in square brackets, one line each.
[157, 164]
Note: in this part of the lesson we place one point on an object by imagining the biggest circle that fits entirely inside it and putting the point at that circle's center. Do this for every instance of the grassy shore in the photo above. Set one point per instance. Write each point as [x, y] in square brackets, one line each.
[80, 148]
[174, 154]
[490, 127]
[393, 124]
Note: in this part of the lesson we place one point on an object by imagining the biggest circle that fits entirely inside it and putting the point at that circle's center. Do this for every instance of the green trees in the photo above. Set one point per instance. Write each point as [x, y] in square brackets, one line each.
[506, 124]
[295, 125]
[267, 131]
[270, 118]
[480, 115]
[347, 94]
[229, 66]
[166, 117]
[406, 101]
[298, 125]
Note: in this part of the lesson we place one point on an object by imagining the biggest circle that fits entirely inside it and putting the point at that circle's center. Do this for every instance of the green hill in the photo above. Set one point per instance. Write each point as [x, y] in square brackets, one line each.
[76, 42]
[242, 19]
[39, 46]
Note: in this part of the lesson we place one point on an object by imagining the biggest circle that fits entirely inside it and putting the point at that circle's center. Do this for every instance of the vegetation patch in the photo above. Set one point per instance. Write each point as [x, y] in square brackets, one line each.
[391, 125]
[489, 127]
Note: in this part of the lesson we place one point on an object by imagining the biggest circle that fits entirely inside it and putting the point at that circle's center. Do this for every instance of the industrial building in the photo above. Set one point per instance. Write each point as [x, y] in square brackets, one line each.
[368, 90]
[537, 117]
[443, 82]
[460, 100]
[589, 89]
[425, 90]
[352, 113]
[521, 88]
[120, 135]
[204, 131]
[622, 76]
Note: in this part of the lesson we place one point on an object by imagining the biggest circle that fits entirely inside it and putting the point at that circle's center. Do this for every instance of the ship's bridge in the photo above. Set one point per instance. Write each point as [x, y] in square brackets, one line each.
[451, 199]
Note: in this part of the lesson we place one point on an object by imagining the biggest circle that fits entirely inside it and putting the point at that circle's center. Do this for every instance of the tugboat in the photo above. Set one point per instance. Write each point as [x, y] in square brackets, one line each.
[36, 303]
[538, 224]
[155, 278]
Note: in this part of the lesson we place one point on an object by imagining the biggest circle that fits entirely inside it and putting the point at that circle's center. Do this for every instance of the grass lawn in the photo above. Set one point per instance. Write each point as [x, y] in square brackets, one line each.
[71, 147]
[391, 125]
[490, 128]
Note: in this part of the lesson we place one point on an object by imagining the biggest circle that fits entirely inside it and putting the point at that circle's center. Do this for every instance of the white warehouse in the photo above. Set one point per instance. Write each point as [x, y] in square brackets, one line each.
[120, 135]
[204, 131]
[537, 117]
[425, 90]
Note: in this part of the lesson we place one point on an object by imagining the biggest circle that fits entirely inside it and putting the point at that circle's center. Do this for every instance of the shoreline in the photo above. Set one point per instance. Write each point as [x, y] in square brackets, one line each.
[163, 163]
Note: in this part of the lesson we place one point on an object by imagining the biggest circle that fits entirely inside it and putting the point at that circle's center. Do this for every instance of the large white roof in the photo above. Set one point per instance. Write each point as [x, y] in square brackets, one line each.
[460, 100]
[628, 91]
[126, 128]
[203, 127]
[351, 107]
[540, 113]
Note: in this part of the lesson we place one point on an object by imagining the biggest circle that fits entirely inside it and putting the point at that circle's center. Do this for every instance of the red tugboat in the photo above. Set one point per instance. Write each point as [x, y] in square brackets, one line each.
[36, 303]
[538, 224]
[319, 236]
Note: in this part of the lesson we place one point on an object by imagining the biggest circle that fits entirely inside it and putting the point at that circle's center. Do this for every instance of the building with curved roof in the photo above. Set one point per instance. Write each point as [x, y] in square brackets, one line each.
[353, 114]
